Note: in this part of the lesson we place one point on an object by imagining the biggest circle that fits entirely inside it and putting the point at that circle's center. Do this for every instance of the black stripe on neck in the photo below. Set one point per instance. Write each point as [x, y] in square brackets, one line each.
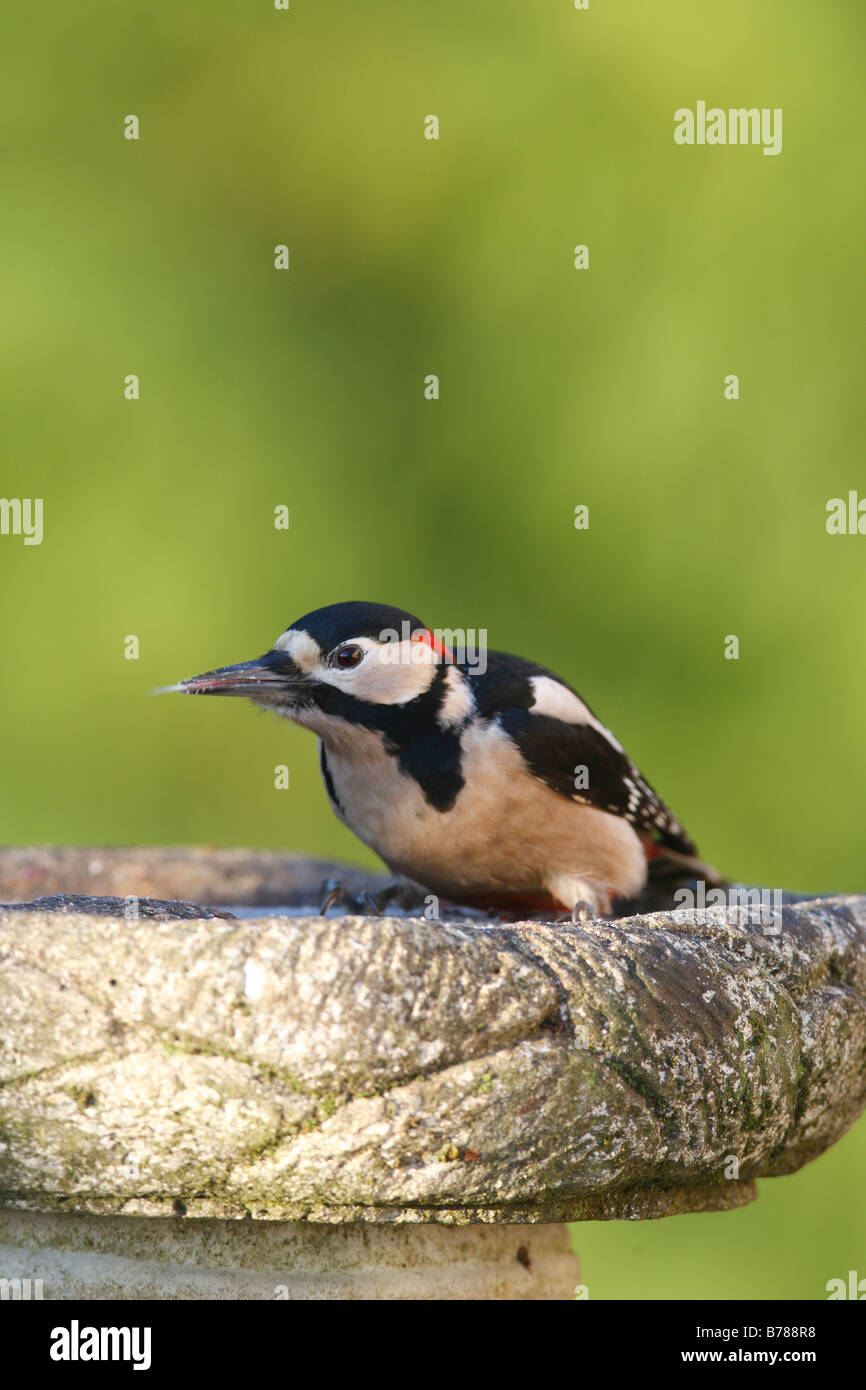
[411, 734]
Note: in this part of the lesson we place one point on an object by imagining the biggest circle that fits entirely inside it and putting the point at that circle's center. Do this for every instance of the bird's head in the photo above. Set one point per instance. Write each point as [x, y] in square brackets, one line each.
[343, 662]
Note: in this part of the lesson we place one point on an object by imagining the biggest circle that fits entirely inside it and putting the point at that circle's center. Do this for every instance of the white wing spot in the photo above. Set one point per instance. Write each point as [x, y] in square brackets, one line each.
[558, 702]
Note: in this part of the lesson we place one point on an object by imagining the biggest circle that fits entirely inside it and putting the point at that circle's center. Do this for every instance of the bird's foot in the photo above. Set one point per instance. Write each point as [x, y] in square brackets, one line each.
[336, 894]
[587, 899]
[582, 912]
[399, 893]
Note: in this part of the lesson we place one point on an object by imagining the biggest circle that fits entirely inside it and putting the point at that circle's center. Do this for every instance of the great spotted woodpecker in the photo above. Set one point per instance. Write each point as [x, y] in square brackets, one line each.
[494, 787]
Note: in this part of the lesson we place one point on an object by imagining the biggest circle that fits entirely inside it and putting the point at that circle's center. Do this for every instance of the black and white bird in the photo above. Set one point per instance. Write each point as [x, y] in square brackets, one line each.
[489, 783]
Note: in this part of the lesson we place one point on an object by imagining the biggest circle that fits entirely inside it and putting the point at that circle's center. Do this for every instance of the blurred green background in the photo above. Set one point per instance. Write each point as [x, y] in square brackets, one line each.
[558, 387]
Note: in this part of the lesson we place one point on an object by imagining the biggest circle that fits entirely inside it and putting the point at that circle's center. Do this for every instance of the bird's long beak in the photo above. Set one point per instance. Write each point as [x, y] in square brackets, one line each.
[272, 674]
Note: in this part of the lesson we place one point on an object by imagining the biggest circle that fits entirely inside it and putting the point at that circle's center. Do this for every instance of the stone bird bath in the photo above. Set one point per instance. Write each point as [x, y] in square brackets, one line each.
[291, 1106]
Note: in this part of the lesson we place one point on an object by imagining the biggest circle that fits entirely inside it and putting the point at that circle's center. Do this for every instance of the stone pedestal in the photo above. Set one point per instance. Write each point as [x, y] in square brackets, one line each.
[110, 1257]
[390, 1107]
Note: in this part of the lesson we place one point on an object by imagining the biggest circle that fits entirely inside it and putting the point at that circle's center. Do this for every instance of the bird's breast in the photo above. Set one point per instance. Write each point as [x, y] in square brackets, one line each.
[504, 829]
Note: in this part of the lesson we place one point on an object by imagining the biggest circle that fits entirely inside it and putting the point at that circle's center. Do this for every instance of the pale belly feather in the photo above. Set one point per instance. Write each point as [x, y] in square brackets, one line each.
[506, 831]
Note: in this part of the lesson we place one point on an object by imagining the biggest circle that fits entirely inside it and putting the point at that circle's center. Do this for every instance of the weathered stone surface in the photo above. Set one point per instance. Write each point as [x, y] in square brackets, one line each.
[356, 1069]
[76, 1256]
[165, 909]
[227, 876]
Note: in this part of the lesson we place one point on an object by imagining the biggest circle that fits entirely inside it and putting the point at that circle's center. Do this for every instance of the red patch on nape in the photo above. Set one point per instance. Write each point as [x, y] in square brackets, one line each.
[429, 640]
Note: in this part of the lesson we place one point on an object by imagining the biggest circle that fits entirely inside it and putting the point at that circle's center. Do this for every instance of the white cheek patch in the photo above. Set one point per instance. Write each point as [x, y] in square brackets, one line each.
[558, 702]
[417, 656]
[391, 673]
[302, 648]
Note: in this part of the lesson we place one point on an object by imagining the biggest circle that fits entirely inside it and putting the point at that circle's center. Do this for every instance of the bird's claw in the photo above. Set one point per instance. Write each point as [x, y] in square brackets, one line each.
[336, 892]
[368, 903]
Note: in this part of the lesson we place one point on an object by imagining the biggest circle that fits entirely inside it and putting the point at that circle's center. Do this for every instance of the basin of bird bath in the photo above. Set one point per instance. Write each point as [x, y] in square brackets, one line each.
[394, 1107]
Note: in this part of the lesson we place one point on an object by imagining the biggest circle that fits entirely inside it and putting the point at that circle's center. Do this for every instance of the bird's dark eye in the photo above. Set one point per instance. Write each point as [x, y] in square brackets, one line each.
[348, 656]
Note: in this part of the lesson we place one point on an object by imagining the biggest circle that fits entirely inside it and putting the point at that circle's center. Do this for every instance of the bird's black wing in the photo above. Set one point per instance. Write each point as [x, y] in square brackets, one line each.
[555, 750]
